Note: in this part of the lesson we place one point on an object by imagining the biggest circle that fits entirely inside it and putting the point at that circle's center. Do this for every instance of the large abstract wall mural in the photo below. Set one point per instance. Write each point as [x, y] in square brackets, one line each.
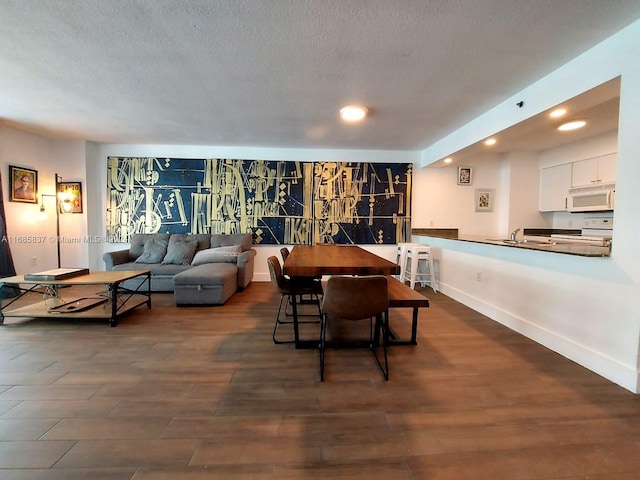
[279, 202]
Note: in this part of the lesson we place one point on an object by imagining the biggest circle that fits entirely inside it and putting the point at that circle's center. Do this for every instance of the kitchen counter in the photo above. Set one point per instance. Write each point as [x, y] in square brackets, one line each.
[543, 246]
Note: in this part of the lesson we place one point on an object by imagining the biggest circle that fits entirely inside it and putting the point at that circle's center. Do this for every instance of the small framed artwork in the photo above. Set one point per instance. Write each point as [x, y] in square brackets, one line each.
[464, 175]
[70, 195]
[23, 185]
[484, 199]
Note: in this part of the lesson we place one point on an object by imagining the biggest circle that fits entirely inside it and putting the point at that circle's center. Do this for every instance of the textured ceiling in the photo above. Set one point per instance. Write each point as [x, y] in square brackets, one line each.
[274, 73]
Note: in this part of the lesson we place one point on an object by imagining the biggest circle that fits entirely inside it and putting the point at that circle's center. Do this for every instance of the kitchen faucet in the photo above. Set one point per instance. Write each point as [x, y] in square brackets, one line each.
[514, 233]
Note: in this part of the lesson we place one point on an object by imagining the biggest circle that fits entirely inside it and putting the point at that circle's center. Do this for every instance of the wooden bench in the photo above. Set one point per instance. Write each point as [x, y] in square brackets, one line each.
[403, 296]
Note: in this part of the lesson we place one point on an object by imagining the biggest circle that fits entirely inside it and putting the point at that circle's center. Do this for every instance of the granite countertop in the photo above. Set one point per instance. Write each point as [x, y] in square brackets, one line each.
[564, 248]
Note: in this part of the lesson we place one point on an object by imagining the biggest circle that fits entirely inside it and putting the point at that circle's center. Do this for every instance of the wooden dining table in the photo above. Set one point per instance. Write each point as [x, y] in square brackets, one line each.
[330, 259]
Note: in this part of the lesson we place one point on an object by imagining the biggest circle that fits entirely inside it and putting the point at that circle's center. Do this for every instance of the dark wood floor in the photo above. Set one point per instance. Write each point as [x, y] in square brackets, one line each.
[203, 393]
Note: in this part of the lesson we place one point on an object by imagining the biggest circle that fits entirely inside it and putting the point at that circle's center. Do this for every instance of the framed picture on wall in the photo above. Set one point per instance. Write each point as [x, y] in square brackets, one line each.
[484, 199]
[70, 194]
[464, 175]
[23, 185]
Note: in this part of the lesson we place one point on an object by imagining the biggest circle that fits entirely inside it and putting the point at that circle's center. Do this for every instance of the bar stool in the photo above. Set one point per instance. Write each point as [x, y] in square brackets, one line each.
[418, 266]
[401, 259]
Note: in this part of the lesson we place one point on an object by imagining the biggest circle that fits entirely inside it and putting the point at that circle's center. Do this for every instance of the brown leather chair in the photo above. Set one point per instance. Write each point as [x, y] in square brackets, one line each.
[357, 298]
[282, 284]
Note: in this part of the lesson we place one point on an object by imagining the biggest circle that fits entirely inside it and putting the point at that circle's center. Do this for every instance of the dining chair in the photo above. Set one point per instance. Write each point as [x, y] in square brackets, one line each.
[282, 284]
[284, 253]
[353, 299]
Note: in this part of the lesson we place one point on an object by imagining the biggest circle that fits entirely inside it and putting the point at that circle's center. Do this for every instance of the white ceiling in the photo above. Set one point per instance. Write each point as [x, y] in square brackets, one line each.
[274, 73]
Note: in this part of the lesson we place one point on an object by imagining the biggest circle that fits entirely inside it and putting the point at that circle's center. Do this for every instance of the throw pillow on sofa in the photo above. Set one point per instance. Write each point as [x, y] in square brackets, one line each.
[245, 240]
[217, 255]
[180, 252]
[153, 252]
[138, 240]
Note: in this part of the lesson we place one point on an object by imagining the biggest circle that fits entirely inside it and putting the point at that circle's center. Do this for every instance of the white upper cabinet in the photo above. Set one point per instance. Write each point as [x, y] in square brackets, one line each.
[555, 183]
[607, 168]
[594, 170]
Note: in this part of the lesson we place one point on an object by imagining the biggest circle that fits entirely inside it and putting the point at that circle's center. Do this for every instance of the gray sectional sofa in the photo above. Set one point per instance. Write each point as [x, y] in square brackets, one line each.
[200, 269]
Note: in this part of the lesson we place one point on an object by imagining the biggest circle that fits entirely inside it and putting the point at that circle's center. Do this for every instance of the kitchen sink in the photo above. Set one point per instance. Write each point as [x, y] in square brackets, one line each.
[533, 243]
[505, 240]
[537, 242]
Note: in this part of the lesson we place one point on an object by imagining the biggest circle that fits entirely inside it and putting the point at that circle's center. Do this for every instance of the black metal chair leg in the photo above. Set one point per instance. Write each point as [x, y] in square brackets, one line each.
[381, 323]
[289, 322]
[277, 322]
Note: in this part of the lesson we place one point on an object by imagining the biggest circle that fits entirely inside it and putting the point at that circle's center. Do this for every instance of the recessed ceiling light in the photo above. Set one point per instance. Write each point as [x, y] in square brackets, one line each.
[490, 141]
[558, 112]
[448, 160]
[353, 113]
[572, 125]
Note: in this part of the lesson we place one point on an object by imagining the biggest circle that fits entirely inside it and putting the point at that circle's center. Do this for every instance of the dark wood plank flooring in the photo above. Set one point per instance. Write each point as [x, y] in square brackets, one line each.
[203, 393]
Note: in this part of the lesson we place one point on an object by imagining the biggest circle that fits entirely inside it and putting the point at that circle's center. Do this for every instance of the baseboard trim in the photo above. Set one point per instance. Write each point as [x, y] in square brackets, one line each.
[598, 363]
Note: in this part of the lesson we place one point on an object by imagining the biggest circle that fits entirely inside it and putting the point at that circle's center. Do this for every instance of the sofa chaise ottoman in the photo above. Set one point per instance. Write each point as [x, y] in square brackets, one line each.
[207, 284]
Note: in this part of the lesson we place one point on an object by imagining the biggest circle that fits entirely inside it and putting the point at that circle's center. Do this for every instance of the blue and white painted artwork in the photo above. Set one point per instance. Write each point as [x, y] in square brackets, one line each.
[279, 202]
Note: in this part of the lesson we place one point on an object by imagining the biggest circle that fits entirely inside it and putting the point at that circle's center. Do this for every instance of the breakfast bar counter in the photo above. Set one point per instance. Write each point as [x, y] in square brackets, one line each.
[543, 245]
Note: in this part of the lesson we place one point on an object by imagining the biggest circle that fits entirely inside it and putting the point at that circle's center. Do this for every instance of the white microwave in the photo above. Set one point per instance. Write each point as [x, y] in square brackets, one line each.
[596, 198]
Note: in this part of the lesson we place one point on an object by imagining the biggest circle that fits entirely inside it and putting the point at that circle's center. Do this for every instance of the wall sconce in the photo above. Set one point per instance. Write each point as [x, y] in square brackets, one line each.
[43, 212]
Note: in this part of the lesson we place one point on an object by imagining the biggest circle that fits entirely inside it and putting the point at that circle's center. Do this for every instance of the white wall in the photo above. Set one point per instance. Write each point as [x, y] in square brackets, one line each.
[587, 309]
[439, 202]
[47, 157]
[522, 203]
